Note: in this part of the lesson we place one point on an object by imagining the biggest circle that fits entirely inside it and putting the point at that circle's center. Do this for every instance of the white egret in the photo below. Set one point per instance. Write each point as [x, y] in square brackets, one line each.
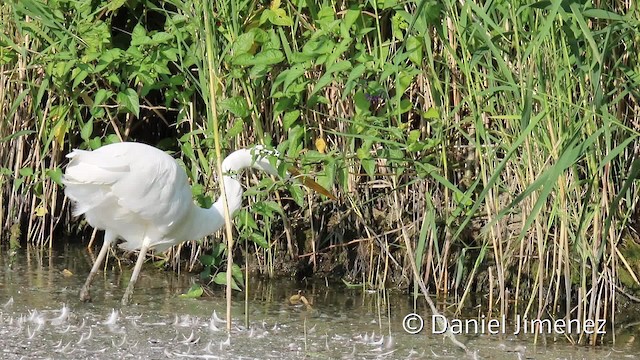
[140, 194]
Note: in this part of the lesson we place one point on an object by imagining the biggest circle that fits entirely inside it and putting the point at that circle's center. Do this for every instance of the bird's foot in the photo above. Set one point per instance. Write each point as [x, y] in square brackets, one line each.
[84, 295]
[126, 298]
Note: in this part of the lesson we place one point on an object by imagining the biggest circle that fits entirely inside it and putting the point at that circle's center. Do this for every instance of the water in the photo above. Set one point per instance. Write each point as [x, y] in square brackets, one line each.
[41, 317]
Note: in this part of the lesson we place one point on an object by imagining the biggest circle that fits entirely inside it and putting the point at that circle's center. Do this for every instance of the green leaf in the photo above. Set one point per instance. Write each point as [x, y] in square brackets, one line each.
[327, 177]
[114, 79]
[369, 166]
[171, 54]
[603, 14]
[339, 66]
[129, 100]
[26, 171]
[78, 77]
[246, 221]
[297, 193]
[208, 260]
[114, 5]
[350, 18]
[268, 57]
[289, 76]
[221, 279]
[432, 113]
[404, 106]
[194, 292]
[235, 129]
[95, 143]
[160, 38]
[414, 135]
[354, 75]
[101, 96]
[318, 47]
[403, 82]
[414, 47]
[321, 83]
[277, 17]
[290, 118]
[259, 240]
[17, 182]
[236, 105]
[243, 44]
[87, 130]
[236, 272]
[272, 207]
[139, 36]
[361, 102]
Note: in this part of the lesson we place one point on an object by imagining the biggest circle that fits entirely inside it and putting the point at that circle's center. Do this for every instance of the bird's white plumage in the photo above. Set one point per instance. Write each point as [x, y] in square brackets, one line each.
[133, 189]
[140, 194]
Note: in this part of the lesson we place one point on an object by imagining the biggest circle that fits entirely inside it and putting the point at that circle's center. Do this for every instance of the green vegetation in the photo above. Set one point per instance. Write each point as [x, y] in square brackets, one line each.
[493, 144]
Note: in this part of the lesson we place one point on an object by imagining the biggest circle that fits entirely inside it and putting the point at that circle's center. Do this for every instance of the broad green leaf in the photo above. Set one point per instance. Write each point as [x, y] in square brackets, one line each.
[208, 260]
[101, 96]
[369, 166]
[235, 129]
[95, 143]
[114, 5]
[327, 177]
[339, 66]
[321, 83]
[290, 118]
[350, 18]
[236, 272]
[161, 37]
[432, 113]
[139, 36]
[414, 47]
[259, 240]
[129, 100]
[194, 292]
[237, 105]
[243, 44]
[279, 17]
[221, 279]
[273, 206]
[268, 57]
[354, 75]
[318, 47]
[78, 77]
[87, 130]
[297, 193]
[26, 171]
[361, 102]
[602, 14]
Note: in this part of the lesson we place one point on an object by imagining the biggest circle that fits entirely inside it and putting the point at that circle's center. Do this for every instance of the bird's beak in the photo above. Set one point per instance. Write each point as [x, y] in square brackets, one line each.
[308, 182]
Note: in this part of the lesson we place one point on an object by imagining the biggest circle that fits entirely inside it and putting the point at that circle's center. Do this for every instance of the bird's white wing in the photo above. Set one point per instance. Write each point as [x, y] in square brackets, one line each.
[140, 190]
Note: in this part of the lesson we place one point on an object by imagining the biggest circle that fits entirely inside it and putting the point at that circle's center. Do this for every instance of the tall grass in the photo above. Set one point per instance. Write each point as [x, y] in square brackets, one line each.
[494, 141]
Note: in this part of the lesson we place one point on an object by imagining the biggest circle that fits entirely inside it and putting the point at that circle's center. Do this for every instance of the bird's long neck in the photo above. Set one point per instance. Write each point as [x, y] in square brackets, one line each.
[208, 221]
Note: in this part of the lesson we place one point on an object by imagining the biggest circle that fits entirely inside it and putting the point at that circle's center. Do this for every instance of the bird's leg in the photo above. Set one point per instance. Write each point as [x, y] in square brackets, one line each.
[136, 271]
[84, 291]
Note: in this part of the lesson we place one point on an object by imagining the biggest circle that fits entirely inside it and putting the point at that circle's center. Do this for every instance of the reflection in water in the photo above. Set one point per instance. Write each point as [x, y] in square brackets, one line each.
[41, 317]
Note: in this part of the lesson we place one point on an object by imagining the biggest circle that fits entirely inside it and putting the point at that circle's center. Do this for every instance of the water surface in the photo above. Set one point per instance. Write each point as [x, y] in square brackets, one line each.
[41, 317]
